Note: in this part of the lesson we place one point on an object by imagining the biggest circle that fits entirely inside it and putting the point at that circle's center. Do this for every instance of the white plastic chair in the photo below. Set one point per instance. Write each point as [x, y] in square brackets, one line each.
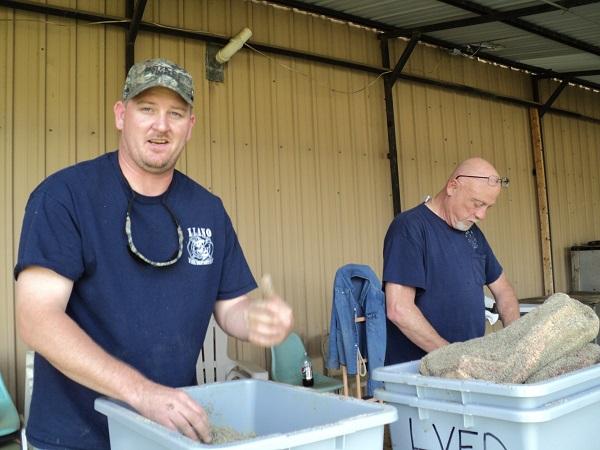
[29, 357]
[214, 363]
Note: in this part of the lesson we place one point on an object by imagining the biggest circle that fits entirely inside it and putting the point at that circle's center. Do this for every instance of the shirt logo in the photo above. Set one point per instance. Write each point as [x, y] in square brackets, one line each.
[471, 238]
[200, 246]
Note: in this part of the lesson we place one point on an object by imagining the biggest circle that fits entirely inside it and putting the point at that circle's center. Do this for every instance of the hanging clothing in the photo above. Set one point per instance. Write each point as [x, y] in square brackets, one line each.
[357, 293]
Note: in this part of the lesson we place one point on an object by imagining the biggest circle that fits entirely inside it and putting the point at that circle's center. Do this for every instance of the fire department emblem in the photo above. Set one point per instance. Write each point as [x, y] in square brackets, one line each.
[200, 246]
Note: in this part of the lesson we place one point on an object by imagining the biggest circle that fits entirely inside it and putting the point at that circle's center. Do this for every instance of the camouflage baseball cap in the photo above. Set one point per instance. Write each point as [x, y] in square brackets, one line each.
[158, 72]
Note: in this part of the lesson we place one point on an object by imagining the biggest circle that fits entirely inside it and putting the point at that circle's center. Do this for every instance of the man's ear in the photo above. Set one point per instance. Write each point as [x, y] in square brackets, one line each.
[192, 123]
[119, 110]
[451, 187]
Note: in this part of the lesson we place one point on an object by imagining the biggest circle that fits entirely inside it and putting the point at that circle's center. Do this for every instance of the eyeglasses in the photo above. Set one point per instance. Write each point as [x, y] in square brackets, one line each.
[137, 254]
[492, 180]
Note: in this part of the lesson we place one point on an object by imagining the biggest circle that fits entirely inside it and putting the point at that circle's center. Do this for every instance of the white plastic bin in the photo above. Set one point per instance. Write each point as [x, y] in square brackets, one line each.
[281, 416]
[437, 413]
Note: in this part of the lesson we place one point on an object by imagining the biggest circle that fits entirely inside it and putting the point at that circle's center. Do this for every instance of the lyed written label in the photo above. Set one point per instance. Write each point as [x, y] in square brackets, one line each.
[455, 439]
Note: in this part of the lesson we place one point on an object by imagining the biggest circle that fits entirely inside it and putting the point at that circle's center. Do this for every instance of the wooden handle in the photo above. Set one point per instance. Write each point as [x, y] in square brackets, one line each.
[266, 286]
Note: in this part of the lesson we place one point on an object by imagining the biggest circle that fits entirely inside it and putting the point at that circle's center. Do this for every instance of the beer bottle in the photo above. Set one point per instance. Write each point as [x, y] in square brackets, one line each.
[307, 373]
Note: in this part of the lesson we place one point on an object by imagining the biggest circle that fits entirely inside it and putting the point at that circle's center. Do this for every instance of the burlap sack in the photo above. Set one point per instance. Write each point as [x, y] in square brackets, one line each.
[558, 327]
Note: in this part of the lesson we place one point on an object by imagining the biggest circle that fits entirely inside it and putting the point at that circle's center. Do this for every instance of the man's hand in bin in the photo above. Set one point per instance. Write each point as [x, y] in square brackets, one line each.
[173, 409]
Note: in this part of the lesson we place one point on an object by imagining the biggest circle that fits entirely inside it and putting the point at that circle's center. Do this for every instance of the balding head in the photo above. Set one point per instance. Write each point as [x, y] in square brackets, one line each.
[474, 166]
[468, 194]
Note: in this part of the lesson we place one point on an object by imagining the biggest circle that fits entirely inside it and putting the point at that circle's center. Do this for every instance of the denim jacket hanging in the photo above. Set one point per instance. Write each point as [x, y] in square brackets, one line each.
[357, 293]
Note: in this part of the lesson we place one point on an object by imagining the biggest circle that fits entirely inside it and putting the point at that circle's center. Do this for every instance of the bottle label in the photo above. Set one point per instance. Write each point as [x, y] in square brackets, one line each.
[307, 372]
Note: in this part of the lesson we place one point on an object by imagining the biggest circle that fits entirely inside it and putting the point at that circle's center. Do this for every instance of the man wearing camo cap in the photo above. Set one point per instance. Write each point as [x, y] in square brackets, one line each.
[159, 72]
[122, 261]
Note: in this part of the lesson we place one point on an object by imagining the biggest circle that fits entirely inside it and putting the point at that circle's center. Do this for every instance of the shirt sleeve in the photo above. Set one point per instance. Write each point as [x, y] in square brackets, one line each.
[50, 238]
[236, 277]
[403, 257]
[493, 269]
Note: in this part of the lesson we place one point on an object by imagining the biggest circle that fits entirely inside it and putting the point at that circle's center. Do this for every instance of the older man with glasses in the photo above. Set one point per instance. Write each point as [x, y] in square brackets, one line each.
[121, 263]
[436, 263]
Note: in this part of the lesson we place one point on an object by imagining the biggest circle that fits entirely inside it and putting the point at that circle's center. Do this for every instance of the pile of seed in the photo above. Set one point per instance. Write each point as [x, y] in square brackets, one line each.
[223, 435]
[552, 339]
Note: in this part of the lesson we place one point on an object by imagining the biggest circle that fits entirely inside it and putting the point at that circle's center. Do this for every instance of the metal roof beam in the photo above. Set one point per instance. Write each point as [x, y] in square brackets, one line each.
[476, 8]
[546, 106]
[67, 13]
[501, 15]
[391, 31]
[134, 27]
[334, 14]
[404, 58]
[207, 37]
[580, 73]
[391, 127]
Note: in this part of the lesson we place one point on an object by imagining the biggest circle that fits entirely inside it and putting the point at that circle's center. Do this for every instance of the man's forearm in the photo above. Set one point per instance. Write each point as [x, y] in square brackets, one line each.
[68, 348]
[402, 311]
[506, 299]
[508, 308]
[417, 328]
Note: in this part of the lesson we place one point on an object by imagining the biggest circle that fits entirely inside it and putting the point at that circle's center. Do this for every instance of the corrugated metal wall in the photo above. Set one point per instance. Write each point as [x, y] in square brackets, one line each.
[297, 151]
[58, 81]
[573, 171]
[7, 329]
[297, 156]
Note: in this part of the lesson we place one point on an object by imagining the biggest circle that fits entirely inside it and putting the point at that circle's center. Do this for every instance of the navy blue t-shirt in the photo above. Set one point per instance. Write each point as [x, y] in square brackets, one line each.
[152, 318]
[447, 267]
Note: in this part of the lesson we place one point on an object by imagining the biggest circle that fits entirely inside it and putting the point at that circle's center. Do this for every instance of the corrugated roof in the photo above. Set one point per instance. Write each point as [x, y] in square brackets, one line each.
[532, 40]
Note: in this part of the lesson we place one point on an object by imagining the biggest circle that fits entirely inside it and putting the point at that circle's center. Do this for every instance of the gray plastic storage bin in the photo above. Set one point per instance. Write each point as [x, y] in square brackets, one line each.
[438, 413]
[281, 416]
